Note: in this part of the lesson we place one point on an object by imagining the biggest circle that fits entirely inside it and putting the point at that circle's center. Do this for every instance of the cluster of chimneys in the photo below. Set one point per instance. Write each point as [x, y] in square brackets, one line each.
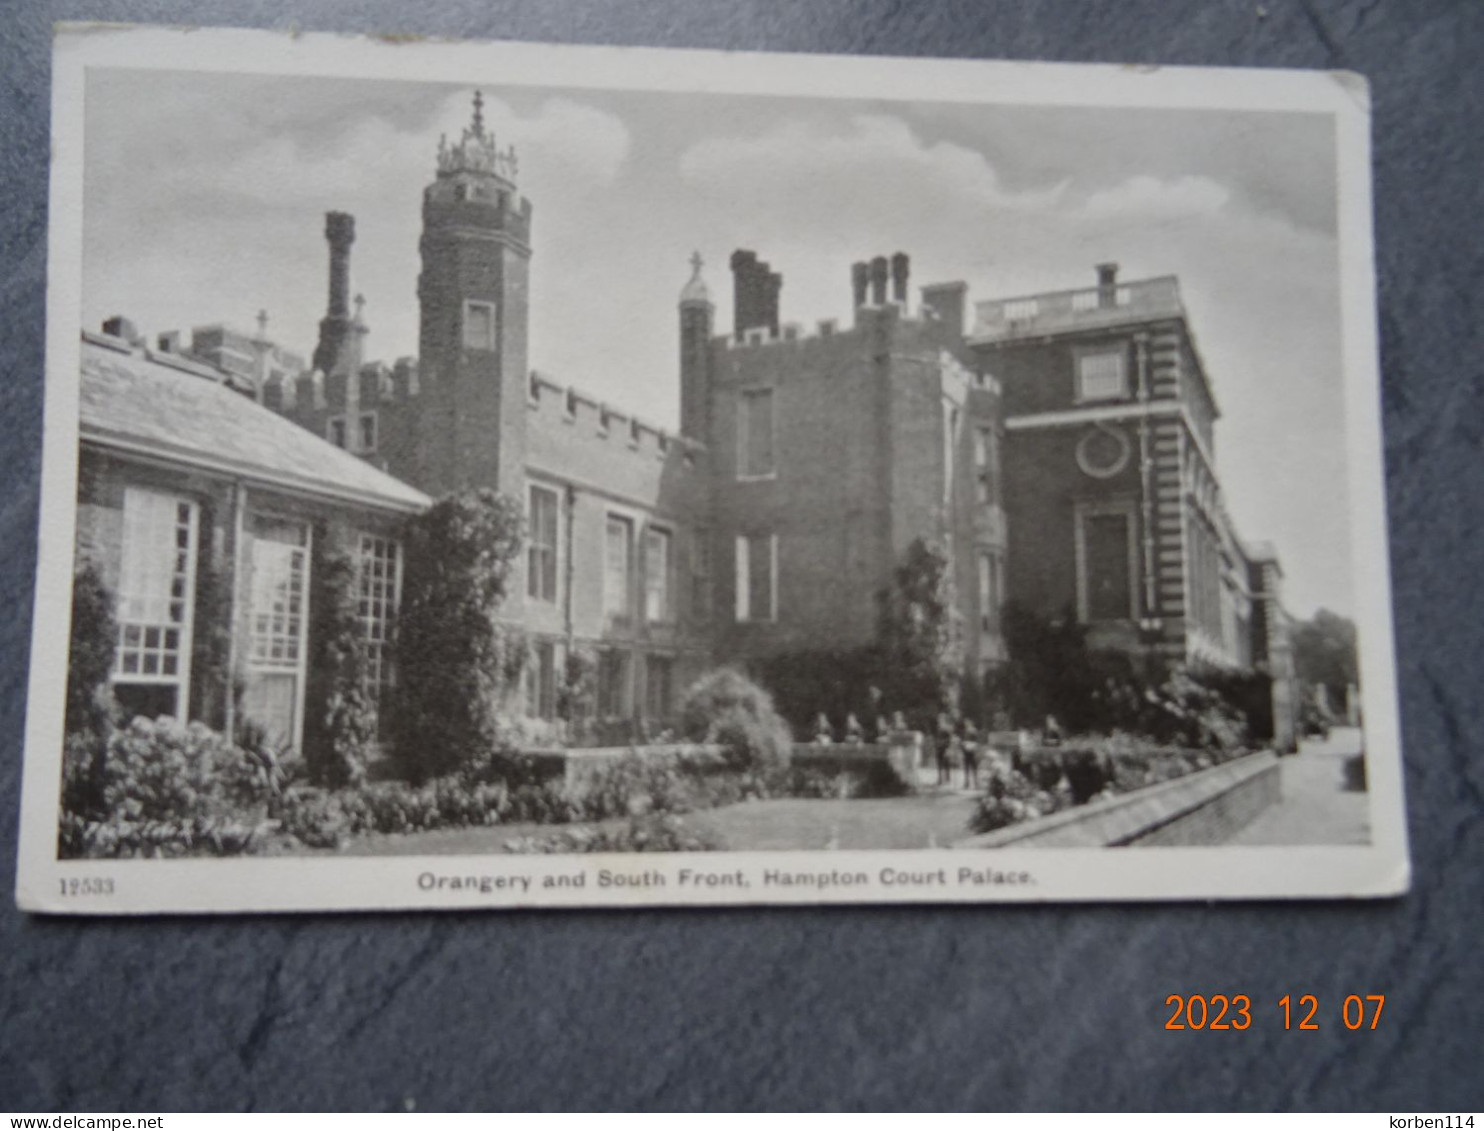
[756, 286]
[868, 281]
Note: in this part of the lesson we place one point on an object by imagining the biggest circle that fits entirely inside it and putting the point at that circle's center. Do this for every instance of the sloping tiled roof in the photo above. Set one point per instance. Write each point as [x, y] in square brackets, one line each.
[132, 402]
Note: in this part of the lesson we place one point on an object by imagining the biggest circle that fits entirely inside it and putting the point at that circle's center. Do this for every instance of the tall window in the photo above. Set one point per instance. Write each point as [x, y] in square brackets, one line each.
[1102, 374]
[984, 465]
[541, 681]
[656, 575]
[368, 432]
[335, 431]
[989, 591]
[541, 552]
[613, 684]
[659, 687]
[156, 592]
[618, 555]
[1105, 546]
[757, 582]
[280, 565]
[700, 571]
[378, 568]
[479, 325]
[755, 456]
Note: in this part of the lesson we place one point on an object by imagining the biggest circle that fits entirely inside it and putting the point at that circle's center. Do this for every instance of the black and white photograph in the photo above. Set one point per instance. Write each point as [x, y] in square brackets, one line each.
[496, 475]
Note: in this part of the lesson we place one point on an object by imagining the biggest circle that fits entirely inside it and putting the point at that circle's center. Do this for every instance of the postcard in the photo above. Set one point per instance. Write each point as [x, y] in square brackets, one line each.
[507, 475]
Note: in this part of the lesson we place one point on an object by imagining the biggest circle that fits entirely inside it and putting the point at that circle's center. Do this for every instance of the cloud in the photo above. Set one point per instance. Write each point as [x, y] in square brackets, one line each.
[566, 139]
[1151, 198]
[875, 158]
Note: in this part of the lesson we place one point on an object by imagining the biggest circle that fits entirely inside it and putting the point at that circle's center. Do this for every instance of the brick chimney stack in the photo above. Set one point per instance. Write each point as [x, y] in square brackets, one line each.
[755, 291]
[340, 233]
[900, 267]
[860, 282]
[878, 281]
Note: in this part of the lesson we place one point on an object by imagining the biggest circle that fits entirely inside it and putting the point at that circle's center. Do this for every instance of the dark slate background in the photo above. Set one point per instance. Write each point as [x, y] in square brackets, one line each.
[850, 1007]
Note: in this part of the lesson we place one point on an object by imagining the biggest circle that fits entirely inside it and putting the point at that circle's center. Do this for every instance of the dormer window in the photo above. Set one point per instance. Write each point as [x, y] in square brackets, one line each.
[479, 325]
[1102, 374]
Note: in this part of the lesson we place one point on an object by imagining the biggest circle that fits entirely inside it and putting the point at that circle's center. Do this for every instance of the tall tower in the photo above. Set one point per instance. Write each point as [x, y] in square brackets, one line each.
[473, 293]
[696, 315]
[336, 328]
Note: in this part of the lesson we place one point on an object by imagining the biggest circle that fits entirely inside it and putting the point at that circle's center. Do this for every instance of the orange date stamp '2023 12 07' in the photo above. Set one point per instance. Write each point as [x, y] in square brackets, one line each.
[1303, 1011]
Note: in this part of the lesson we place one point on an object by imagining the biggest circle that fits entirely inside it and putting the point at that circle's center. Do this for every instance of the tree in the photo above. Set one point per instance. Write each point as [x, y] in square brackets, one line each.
[921, 632]
[1324, 652]
[341, 725]
[88, 721]
[456, 661]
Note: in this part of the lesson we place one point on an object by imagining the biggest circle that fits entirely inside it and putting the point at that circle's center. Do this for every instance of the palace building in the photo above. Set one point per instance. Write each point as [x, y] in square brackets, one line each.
[1061, 447]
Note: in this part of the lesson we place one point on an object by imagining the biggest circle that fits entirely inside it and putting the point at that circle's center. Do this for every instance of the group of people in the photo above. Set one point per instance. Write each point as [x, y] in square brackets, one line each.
[952, 733]
[966, 736]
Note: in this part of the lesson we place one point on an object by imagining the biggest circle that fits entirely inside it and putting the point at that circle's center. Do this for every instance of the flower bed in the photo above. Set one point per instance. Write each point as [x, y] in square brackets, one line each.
[181, 791]
[1031, 784]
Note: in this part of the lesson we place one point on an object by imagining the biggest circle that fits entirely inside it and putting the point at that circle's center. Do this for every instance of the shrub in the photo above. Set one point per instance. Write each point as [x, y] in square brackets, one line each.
[727, 709]
[456, 661]
[341, 723]
[169, 790]
[162, 771]
[119, 837]
[90, 653]
[1009, 798]
[90, 708]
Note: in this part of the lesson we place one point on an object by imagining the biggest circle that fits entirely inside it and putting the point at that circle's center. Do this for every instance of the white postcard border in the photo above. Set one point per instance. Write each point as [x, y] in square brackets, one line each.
[336, 883]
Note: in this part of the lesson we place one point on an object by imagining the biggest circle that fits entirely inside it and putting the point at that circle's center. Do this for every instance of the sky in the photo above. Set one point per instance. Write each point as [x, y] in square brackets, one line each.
[205, 196]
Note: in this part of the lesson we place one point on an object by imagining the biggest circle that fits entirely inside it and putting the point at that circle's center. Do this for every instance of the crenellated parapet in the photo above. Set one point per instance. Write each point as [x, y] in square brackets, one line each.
[559, 409]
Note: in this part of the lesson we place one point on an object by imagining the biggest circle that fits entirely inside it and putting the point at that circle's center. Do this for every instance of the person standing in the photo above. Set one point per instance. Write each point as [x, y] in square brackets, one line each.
[969, 741]
[943, 745]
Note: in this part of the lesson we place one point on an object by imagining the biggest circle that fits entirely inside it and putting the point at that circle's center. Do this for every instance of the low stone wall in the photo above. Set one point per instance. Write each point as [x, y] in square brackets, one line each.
[579, 765]
[1201, 808]
[899, 757]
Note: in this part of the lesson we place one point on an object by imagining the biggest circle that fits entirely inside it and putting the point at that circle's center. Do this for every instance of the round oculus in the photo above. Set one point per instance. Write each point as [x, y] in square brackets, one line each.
[1103, 451]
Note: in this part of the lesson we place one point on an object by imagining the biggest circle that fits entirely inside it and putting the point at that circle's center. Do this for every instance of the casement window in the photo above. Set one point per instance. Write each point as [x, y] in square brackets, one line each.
[335, 432]
[378, 589]
[618, 557]
[613, 684]
[757, 577]
[659, 687]
[541, 681]
[990, 589]
[656, 575]
[367, 436]
[985, 461]
[1102, 374]
[755, 454]
[280, 574]
[1106, 564]
[480, 329]
[541, 551]
[156, 595]
[700, 574]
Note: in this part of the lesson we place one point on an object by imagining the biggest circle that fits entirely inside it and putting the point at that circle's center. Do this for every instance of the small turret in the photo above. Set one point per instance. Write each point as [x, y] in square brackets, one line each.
[696, 316]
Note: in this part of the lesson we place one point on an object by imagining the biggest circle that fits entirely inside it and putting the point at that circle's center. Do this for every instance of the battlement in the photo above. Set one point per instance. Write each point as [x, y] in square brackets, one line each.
[791, 334]
[556, 406]
[315, 392]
